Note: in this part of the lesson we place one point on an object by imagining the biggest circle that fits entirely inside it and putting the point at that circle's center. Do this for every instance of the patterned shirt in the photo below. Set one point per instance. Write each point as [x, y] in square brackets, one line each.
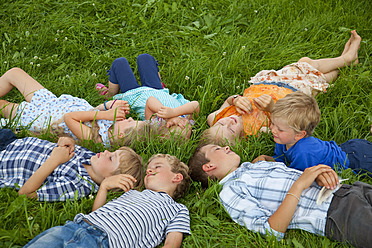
[253, 192]
[45, 109]
[23, 157]
[137, 99]
[139, 219]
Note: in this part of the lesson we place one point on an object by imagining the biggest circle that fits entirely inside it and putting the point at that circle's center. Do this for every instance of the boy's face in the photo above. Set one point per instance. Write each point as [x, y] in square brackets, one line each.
[229, 127]
[159, 175]
[222, 159]
[105, 163]
[283, 133]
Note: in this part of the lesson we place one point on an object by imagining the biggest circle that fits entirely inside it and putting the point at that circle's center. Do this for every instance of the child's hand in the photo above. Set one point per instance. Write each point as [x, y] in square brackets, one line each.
[67, 142]
[120, 103]
[243, 105]
[264, 102]
[177, 121]
[166, 112]
[328, 176]
[122, 181]
[116, 114]
[328, 179]
[263, 158]
[61, 154]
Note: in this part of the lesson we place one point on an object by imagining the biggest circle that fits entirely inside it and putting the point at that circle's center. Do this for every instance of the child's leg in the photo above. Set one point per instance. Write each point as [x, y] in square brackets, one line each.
[329, 66]
[18, 78]
[149, 71]
[8, 109]
[121, 74]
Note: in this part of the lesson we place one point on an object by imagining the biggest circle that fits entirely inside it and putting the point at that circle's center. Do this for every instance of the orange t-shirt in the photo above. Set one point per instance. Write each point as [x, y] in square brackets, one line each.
[256, 119]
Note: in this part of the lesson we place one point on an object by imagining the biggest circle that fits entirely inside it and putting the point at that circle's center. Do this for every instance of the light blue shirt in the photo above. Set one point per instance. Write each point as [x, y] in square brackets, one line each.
[253, 192]
[137, 99]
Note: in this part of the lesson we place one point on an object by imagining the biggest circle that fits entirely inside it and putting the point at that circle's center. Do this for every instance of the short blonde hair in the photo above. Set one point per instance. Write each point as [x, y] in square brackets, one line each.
[299, 110]
[130, 163]
[210, 137]
[177, 166]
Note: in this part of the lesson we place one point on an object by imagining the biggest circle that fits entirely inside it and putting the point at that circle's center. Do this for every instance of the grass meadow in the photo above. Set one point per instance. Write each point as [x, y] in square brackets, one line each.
[207, 50]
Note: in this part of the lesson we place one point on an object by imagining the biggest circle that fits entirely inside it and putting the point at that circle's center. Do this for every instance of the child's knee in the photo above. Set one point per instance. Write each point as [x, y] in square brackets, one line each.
[119, 62]
[145, 57]
[305, 59]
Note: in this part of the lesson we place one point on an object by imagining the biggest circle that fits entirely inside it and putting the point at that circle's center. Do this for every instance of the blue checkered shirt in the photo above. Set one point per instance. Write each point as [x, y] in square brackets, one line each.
[23, 157]
[253, 192]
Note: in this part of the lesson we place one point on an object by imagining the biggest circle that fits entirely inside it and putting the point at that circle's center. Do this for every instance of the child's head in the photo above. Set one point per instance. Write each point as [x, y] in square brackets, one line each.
[121, 131]
[225, 129]
[130, 163]
[212, 162]
[299, 111]
[121, 161]
[167, 173]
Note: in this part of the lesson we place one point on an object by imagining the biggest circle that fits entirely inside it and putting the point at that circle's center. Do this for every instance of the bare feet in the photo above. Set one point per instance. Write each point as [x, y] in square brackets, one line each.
[371, 128]
[350, 52]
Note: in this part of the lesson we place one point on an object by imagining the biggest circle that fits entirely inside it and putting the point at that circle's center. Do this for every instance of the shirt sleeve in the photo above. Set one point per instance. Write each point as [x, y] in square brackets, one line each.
[181, 222]
[246, 210]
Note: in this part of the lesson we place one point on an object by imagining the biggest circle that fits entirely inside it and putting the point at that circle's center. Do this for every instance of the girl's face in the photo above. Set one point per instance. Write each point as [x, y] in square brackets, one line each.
[124, 126]
[105, 163]
[229, 127]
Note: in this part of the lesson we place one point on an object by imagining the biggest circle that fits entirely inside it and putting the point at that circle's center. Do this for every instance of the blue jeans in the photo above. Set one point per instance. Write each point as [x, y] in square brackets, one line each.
[359, 153]
[70, 235]
[121, 73]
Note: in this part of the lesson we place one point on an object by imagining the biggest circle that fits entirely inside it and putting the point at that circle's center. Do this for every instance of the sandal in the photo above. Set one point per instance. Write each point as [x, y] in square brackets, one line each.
[102, 89]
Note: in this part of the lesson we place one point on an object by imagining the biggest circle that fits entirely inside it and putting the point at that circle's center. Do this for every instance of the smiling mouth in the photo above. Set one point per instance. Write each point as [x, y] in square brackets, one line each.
[234, 119]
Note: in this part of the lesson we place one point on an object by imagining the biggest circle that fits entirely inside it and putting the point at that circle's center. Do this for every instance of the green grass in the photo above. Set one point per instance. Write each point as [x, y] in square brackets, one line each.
[68, 46]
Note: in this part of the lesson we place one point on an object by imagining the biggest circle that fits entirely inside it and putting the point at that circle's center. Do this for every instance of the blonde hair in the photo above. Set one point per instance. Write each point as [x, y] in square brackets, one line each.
[299, 110]
[130, 163]
[210, 137]
[177, 166]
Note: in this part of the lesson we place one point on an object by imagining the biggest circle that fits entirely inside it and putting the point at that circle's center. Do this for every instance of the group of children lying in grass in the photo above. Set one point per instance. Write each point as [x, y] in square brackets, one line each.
[268, 196]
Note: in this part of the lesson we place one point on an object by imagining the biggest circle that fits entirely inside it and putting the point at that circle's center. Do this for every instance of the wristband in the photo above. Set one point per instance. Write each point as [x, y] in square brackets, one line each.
[112, 104]
[104, 105]
[294, 196]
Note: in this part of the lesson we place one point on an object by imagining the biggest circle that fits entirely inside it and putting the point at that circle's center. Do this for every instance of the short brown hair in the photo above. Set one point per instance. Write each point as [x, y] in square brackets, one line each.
[196, 162]
[299, 110]
[177, 166]
[130, 163]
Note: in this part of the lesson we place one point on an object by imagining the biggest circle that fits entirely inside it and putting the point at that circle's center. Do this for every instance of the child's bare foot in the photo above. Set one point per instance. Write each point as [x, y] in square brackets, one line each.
[351, 53]
[371, 128]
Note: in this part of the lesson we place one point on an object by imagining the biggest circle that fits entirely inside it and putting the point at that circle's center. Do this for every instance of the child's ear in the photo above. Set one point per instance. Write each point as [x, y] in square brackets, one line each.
[121, 135]
[300, 135]
[177, 178]
[208, 167]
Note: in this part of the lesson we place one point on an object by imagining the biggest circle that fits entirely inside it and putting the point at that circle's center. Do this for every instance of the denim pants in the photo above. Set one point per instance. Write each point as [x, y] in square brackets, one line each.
[349, 217]
[359, 153]
[70, 235]
[121, 73]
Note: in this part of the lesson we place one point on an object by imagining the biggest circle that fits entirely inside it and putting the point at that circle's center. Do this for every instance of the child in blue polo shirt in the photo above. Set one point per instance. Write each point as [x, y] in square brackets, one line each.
[293, 120]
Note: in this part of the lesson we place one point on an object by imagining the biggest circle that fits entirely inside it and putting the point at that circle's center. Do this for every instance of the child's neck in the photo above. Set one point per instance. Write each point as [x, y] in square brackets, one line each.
[92, 175]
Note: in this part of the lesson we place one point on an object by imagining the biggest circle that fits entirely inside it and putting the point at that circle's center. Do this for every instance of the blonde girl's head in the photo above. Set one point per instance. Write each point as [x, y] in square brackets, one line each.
[130, 163]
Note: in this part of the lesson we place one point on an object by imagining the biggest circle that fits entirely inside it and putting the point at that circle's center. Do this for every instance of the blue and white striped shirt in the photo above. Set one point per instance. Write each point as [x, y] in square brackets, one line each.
[139, 219]
[21, 158]
[137, 99]
[253, 192]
